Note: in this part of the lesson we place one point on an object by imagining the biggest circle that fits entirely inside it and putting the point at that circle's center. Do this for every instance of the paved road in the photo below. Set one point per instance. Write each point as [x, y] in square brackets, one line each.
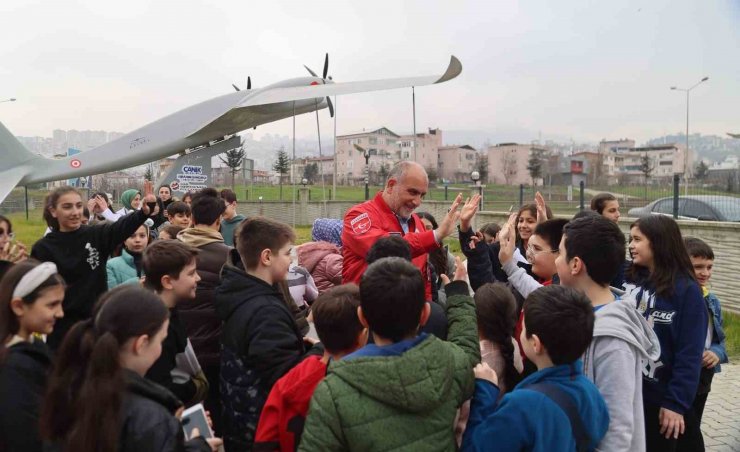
[721, 421]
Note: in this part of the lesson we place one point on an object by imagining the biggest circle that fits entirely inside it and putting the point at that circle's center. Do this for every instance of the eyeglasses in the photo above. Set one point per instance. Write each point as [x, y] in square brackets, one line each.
[531, 253]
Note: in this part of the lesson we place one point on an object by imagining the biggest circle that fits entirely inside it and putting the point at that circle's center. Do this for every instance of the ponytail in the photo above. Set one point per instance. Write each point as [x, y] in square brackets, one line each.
[496, 312]
[83, 401]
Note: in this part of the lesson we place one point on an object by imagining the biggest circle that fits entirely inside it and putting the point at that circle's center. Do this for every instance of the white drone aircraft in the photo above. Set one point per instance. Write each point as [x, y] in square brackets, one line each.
[194, 126]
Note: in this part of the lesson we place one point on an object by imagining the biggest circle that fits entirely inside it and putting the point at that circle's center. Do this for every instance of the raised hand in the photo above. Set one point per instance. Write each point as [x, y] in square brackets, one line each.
[541, 208]
[507, 240]
[468, 212]
[447, 225]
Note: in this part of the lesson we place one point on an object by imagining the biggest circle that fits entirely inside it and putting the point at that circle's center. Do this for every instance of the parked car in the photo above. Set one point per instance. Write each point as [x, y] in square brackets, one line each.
[700, 207]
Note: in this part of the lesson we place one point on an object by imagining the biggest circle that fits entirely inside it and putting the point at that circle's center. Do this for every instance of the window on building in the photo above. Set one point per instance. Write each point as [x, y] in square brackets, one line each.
[373, 140]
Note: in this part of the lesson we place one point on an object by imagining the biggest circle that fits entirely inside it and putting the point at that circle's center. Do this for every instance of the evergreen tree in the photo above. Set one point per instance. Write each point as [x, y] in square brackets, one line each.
[646, 168]
[234, 159]
[311, 172]
[702, 170]
[282, 167]
[535, 164]
[148, 173]
[481, 165]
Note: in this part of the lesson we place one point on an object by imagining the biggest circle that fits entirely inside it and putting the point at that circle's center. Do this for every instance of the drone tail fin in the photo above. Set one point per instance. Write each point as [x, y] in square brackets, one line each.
[13, 152]
[14, 162]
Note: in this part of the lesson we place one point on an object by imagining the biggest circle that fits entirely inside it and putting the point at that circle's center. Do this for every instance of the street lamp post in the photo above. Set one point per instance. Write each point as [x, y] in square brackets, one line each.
[475, 175]
[686, 154]
[365, 154]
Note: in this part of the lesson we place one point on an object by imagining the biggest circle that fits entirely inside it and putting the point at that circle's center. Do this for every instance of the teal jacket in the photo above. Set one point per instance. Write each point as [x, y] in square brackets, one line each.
[402, 400]
[121, 270]
[228, 227]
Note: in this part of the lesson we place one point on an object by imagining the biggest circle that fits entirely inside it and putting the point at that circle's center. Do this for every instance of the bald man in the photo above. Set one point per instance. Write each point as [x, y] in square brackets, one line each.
[391, 212]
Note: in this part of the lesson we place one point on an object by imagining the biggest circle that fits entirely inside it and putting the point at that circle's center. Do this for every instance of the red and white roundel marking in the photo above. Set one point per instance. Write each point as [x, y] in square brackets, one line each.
[74, 163]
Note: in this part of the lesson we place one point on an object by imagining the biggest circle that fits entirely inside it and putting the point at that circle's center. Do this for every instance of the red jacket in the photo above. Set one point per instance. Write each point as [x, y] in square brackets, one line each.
[281, 422]
[365, 223]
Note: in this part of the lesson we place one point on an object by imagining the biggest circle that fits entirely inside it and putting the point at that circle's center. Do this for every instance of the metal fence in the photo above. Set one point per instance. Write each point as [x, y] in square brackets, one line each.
[682, 200]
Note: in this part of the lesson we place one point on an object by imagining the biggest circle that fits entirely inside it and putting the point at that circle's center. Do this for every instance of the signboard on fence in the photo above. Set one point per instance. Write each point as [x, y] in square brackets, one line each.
[192, 172]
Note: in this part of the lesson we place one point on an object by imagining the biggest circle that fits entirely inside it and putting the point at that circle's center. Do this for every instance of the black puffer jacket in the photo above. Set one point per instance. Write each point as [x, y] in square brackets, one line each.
[148, 421]
[202, 325]
[260, 343]
[23, 374]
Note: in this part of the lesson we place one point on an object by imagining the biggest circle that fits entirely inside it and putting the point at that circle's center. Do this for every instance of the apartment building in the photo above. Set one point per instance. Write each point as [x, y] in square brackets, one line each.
[382, 148]
[507, 163]
[456, 163]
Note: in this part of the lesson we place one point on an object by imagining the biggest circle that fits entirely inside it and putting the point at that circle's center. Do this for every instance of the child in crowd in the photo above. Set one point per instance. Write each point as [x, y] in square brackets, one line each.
[661, 279]
[202, 322]
[98, 398]
[340, 331]
[301, 286]
[403, 391]
[395, 246]
[178, 214]
[231, 218]
[31, 297]
[187, 198]
[131, 200]
[496, 313]
[260, 341]
[126, 268]
[606, 205]
[440, 261]
[11, 251]
[556, 408]
[170, 269]
[591, 253]
[715, 353]
[169, 232]
[490, 232]
[541, 253]
[81, 252]
[523, 224]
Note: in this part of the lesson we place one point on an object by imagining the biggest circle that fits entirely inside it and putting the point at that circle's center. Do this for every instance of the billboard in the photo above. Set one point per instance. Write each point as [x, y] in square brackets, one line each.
[192, 172]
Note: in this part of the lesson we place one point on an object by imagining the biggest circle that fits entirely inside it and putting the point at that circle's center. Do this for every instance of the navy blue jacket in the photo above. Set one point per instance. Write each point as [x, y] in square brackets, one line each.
[680, 322]
[526, 420]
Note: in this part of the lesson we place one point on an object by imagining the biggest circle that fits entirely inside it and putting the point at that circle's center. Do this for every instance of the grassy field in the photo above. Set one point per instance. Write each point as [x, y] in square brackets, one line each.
[732, 330]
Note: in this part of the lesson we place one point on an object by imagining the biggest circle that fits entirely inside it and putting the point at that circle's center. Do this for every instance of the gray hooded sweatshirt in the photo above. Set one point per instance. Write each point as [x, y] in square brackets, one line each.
[613, 361]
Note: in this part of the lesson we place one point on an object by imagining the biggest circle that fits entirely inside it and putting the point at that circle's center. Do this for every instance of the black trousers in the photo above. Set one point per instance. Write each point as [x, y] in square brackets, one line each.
[691, 440]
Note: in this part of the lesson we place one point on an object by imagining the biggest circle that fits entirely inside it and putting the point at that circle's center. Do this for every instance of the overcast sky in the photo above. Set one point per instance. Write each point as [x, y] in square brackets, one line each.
[582, 69]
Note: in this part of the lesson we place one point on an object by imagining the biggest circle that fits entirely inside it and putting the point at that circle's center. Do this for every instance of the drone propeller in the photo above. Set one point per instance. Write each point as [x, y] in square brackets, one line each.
[324, 78]
[249, 84]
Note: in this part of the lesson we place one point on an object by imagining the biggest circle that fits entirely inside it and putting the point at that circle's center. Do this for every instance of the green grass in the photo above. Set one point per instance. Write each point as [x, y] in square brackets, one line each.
[732, 331]
[28, 231]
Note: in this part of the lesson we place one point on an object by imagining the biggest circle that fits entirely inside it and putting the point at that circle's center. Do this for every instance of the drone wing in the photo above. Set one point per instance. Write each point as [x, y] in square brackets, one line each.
[258, 108]
[276, 95]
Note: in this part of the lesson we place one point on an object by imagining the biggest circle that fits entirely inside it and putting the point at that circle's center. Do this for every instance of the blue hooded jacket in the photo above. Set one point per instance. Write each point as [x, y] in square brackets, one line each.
[527, 420]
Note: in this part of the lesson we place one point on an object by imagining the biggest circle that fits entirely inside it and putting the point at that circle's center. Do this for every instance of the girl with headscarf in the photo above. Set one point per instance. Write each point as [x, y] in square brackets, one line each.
[131, 200]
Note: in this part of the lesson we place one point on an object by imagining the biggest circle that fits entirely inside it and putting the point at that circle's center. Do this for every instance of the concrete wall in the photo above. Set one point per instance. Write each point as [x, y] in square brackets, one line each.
[724, 238]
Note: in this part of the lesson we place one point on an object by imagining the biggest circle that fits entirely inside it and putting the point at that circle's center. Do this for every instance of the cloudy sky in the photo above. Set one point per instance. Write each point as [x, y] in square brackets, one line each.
[572, 68]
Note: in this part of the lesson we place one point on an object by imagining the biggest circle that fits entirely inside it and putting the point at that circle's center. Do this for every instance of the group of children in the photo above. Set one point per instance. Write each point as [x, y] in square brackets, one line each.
[560, 348]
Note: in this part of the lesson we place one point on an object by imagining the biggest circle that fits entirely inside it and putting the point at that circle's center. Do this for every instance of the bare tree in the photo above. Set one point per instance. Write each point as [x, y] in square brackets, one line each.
[508, 167]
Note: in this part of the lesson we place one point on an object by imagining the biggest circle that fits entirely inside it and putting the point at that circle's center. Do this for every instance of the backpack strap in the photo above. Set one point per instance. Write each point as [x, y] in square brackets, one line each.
[566, 403]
